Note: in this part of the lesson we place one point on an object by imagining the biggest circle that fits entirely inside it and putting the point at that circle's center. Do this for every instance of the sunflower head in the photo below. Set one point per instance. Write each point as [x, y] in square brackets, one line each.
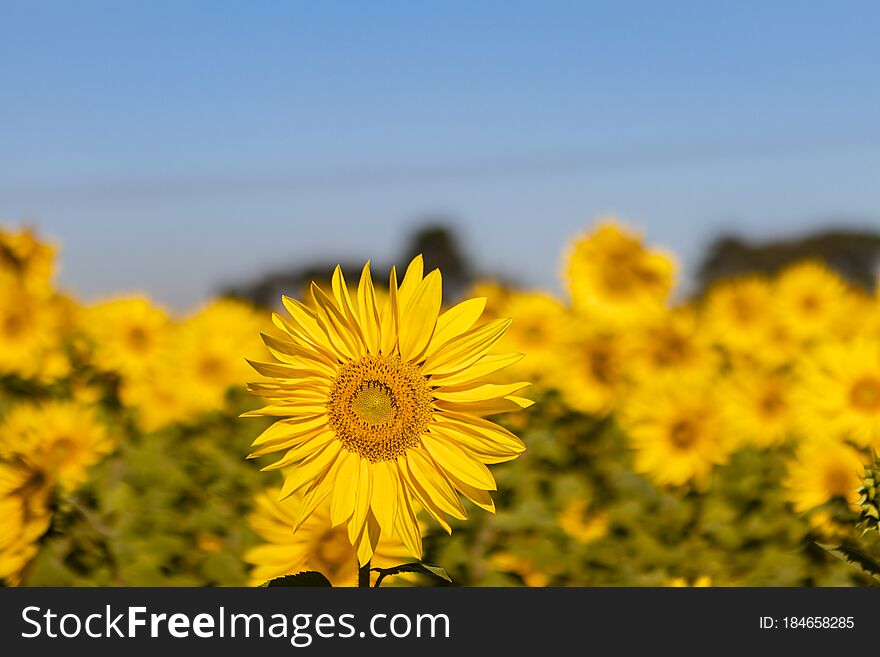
[383, 406]
[676, 430]
[613, 277]
[316, 545]
[814, 301]
[823, 471]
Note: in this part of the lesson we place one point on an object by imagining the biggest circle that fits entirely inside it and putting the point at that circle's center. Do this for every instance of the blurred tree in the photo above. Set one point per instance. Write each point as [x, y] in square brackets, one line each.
[436, 242]
[853, 254]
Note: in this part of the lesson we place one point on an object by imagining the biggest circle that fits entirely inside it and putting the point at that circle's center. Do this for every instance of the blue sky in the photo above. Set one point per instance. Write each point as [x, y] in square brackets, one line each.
[175, 146]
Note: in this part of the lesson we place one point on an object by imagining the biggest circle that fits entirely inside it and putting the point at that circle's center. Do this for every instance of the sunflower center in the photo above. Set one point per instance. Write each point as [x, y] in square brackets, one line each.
[210, 368]
[333, 552]
[62, 449]
[865, 395]
[373, 404]
[838, 482]
[13, 325]
[379, 406]
[772, 404]
[683, 434]
[138, 338]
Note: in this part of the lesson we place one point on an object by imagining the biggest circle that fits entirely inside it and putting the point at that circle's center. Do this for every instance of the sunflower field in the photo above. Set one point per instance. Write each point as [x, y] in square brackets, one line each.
[616, 435]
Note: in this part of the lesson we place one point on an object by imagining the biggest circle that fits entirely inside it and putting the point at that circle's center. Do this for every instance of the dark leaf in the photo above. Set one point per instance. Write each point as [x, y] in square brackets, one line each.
[415, 567]
[855, 556]
[308, 578]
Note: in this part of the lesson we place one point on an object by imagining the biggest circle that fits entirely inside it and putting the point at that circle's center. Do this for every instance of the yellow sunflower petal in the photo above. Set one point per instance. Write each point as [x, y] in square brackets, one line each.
[420, 316]
[466, 349]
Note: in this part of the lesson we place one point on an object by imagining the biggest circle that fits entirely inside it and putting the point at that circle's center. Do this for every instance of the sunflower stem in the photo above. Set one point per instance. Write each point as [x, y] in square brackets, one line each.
[364, 575]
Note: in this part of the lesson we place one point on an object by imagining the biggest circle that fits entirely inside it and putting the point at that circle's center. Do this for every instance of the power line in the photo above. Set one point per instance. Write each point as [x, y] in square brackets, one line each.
[483, 170]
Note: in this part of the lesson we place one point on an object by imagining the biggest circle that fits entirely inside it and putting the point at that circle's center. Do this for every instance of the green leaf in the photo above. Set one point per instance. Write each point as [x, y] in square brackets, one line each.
[307, 578]
[853, 555]
[415, 567]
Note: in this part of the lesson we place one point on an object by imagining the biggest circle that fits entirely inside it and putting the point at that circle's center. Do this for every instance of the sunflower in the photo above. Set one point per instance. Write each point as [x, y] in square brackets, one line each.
[823, 471]
[738, 312]
[840, 394]
[671, 342]
[703, 581]
[382, 409]
[127, 335]
[536, 331]
[581, 525]
[316, 545]
[676, 429]
[209, 350]
[520, 566]
[24, 518]
[29, 329]
[611, 276]
[758, 406]
[590, 369]
[58, 439]
[813, 301]
[28, 259]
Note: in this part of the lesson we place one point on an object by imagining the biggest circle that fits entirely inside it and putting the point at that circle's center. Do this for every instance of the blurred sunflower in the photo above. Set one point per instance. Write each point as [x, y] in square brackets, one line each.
[669, 343]
[611, 276]
[58, 439]
[823, 471]
[758, 406]
[24, 518]
[209, 351]
[386, 408]
[813, 301]
[676, 430]
[840, 395]
[29, 329]
[703, 581]
[536, 331]
[589, 369]
[27, 259]
[737, 312]
[316, 545]
[520, 566]
[127, 335]
[577, 521]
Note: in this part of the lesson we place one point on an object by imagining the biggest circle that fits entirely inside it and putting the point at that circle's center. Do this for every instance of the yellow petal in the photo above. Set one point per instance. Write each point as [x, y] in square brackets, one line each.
[484, 392]
[343, 336]
[478, 496]
[411, 280]
[434, 482]
[305, 472]
[457, 463]
[486, 365]
[420, 316]
[390, 317]
[406, 524]
[283, 371]
[343, 298]
[456, 321]
[466, 349]
[368, 540]
[304, 449]
[369, 312]
[384, 502]
[484, 408]
[344, 488]
[362, 503]
[284, 429]
[313, 498]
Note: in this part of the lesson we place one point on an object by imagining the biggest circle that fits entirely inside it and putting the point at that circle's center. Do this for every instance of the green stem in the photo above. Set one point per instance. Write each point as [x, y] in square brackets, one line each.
[364, 575]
